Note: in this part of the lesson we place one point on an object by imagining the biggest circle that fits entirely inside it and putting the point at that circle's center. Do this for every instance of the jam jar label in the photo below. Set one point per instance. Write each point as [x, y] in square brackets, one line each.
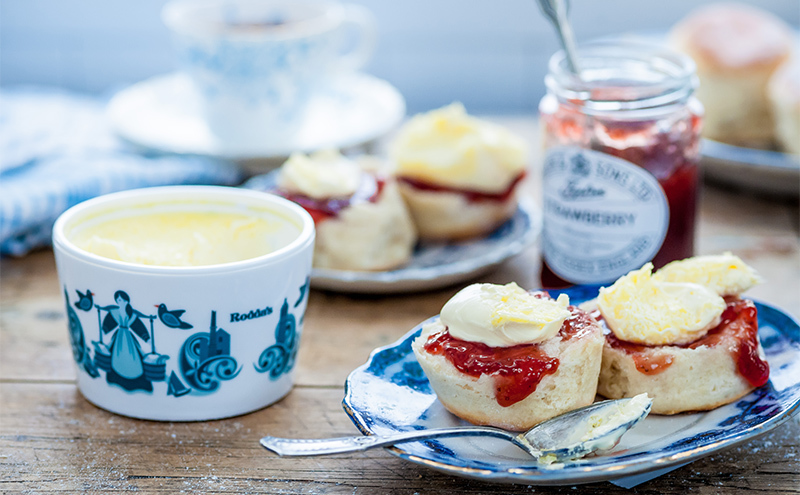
[603, 216]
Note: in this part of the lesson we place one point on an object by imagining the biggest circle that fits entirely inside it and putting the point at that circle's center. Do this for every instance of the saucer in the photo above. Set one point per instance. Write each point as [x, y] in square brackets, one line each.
[164, 113]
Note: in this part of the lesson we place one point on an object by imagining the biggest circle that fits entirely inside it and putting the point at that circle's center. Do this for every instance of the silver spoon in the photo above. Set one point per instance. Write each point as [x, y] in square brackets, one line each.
[556, 11]
[575, 434]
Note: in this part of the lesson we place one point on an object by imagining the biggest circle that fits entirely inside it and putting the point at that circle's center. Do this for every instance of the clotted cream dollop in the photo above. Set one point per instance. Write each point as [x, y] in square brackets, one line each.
[503, 315]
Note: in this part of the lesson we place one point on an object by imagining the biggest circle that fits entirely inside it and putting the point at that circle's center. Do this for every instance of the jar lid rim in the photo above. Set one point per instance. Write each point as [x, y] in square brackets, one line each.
[618, 75]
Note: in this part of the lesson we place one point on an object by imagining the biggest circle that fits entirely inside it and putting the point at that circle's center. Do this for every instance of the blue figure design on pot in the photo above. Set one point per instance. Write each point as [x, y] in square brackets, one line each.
[279, 358]
[80, 351]
[85, 301]
[172, 319]
[123, 359]
[175, 386]
[205, 361]
[303, 291]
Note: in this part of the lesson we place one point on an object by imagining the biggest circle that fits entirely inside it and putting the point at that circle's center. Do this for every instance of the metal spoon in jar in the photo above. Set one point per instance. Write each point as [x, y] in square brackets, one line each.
[575, 434]
[556, 11]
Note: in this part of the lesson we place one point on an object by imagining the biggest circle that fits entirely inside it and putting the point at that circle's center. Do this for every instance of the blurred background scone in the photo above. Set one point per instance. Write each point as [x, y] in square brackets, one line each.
[361, 220]
[784, 95]
[458, 174]
[737, 48]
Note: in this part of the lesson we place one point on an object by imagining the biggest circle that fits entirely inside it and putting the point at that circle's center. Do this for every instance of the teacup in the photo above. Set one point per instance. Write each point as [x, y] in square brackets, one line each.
[257, 64]
[214, 337]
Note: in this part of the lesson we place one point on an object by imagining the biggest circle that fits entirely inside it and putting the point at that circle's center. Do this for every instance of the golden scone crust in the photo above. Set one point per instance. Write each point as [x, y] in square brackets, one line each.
[573, 385]
[731, 37]
[736, 48]
[698, 379]
[450, 216]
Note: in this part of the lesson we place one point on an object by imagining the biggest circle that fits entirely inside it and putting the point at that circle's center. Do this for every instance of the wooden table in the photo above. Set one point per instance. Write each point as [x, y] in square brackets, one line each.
[53, 440]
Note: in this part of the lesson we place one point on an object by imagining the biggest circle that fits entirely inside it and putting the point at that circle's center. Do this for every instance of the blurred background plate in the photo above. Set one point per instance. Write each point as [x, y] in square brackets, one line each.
[763, 171]
[163, 113]
[437, 265]
[433, 265]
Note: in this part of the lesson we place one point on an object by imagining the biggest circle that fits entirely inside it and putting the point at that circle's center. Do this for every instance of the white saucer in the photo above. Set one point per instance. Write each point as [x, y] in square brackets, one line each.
[163, 113]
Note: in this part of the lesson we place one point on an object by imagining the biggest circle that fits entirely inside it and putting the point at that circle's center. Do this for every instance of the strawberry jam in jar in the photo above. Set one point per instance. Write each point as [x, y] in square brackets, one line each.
[620, 171]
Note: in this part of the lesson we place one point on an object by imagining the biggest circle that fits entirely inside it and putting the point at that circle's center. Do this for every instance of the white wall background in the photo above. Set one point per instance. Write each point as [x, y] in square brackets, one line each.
[489, 54]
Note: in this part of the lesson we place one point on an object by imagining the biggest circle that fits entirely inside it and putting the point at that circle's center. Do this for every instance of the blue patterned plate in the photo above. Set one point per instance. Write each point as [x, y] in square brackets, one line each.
[433, 265]
[390, 393]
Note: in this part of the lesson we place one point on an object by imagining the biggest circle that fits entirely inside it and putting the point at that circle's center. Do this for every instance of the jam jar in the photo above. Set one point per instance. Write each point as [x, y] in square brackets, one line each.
[620, 171]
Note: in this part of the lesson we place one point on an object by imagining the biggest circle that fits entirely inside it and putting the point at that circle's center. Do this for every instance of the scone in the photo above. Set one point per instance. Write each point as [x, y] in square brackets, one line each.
[682, 335]
[361, 220]
[737, 48]
[784, 95]
[505, 357]
[458, 174]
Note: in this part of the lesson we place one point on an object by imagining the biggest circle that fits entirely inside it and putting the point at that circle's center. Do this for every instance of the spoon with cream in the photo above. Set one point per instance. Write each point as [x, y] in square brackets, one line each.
[572, 435]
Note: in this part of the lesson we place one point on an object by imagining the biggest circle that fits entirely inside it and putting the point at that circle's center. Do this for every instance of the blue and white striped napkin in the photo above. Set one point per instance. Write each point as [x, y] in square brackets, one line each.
[56, 151]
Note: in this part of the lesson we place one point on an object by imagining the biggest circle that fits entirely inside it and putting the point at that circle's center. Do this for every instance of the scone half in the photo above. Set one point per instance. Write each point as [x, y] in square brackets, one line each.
[442, 215]
[572, 385]
[718, 369]
[368, 235]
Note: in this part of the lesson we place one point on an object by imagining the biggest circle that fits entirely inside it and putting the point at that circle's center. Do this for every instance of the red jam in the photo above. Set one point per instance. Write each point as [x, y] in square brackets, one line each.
[740, 321]
[516, 370]
[738, 329]
[322, 209]
[471, 195]
[645, 363]
[672, 158]
[577, 325]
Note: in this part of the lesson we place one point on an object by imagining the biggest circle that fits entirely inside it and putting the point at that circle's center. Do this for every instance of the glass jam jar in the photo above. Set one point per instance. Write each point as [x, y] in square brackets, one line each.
[620, 171]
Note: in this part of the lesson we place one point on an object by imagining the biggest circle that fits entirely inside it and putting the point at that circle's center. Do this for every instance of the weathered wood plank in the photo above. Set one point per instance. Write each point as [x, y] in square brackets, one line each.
[33, 332]
[52, 440]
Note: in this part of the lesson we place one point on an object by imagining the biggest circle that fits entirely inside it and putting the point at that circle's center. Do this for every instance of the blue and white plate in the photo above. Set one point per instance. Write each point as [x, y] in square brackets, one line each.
[390, 393]
[432, 265]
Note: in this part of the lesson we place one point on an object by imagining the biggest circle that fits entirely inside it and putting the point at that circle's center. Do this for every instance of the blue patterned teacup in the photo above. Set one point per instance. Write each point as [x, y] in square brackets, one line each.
[257, 63]
[184, 343]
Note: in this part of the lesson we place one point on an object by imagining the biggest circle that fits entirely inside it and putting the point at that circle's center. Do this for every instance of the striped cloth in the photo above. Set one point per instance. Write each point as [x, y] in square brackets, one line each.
[56, 151]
